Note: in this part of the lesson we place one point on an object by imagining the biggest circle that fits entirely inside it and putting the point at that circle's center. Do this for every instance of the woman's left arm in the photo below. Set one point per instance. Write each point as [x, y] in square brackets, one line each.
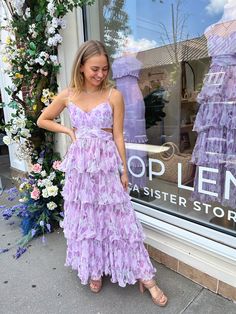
[118, 125]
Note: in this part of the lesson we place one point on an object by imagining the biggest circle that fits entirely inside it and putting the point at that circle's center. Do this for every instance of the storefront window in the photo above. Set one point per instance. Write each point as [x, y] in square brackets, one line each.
[175, 63]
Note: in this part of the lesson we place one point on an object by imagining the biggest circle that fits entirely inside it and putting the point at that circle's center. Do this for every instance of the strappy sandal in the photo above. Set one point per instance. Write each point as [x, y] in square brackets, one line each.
[160, 299]
[95, 285]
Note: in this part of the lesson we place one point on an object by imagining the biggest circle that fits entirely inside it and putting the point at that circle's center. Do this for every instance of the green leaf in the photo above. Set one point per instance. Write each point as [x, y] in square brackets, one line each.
[32, 46]
[25, 239]
[31, 52]
[13, 104]
[38, 17]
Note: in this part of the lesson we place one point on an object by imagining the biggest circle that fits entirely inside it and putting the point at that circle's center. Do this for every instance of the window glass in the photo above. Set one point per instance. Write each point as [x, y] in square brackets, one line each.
[175, 63]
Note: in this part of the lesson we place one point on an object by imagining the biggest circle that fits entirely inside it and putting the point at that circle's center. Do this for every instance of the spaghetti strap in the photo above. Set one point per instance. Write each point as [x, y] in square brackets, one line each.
[109, 95]
[68, 95]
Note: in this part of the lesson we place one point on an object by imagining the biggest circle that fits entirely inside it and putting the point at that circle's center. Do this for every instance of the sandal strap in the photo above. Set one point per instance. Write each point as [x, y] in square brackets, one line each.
[149, 284]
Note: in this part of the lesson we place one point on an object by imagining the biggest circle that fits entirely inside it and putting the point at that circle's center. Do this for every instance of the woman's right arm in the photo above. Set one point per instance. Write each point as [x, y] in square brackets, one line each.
[45, 120]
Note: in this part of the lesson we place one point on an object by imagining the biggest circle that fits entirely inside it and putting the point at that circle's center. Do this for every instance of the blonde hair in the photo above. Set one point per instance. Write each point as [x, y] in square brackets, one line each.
[87, 50]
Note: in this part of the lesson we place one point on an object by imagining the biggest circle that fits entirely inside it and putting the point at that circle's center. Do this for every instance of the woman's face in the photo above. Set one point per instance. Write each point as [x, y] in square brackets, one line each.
[95, 70]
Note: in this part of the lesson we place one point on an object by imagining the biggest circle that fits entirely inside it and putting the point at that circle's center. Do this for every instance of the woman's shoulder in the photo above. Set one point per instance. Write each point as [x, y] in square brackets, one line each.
[65, 94]
[116, 98]
[115, 93]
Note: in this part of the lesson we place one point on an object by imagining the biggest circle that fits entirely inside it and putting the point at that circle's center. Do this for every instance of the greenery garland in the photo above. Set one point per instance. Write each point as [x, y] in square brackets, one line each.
[31, 56]
[30, 53]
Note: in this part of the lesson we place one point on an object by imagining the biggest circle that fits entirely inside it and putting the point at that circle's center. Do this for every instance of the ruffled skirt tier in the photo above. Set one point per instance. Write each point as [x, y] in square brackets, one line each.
[216, 127]
[102, 231]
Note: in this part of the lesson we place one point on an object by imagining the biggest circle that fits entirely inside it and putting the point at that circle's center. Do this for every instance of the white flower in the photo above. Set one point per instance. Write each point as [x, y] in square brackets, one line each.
[27, 13]
[51, 8]
[13, 129]
[54, 59]
[40, 161]
[13, 87]
[52, 176]
[7, 140]
[32, 27]
[62, 181]
[32, 31]
[31, 61]
[43, 173]
[22, 185]
[43, 54]
[25, 133]
[18, 5]
[45, 73]
[62, 22]
[52, 190]
[28, 69]
[46, 91]
[51, 205]
[40, 61]
[24, 199]
[40, 183]
[20, 122]
[45, 193]
[51, 30]
[55, 22]
[47, 182]
[55, 40]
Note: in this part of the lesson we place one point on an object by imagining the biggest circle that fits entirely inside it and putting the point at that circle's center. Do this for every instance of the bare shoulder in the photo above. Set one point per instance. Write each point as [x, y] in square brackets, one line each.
[116, 98]
[63, 95]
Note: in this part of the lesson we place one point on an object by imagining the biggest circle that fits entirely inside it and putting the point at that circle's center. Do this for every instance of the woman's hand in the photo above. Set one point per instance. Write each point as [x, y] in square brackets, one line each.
[71, 133]
[124, 181]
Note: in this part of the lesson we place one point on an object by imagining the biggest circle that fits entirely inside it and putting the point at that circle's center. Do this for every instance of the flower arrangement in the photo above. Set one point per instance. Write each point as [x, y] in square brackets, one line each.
[41, 202]
[31, 59]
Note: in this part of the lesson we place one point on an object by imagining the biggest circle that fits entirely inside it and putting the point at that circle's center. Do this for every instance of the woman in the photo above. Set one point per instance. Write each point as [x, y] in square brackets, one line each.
[103, 234]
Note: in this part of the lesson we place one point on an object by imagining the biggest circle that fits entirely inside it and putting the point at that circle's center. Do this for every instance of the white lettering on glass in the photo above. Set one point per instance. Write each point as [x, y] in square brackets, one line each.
[228, 178]
[180, 185]
[218, 212]
[137, 175]
[202, 180]
[158, 173]
[232, 215]
[196, 206]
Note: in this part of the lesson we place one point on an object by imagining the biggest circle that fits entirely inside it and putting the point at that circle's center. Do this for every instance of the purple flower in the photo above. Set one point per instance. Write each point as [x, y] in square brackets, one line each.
[42, 154]
[23, 212]
[3, 250]
[19, 252]
[12, 193]
[61, 214]
[33, 232]
[48, 227]
[7, 213]
[12, 190]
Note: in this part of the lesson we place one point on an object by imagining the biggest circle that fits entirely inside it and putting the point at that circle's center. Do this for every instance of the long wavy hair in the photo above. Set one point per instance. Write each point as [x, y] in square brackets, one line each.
[87, 50]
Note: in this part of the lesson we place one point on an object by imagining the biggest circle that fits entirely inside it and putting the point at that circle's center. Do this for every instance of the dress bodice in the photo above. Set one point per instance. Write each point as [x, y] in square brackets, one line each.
[220, 45]
[126, 66]
[99, 117]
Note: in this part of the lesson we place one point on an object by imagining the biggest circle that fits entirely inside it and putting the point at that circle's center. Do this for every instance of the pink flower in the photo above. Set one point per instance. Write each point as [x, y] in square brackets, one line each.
[35, 194]
[56, 164]
[37, 168]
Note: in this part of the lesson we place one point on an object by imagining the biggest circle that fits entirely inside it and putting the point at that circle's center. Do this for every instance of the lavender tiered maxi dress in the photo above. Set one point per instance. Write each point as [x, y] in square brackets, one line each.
[126, 74]
[216, 120]
[102, 231]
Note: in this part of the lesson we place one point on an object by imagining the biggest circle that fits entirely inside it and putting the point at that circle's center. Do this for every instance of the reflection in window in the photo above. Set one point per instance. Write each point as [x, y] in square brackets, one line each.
[179, 88]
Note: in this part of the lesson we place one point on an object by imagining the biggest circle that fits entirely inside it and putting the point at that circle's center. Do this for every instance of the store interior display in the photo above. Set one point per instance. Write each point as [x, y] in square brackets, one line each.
[215, 121]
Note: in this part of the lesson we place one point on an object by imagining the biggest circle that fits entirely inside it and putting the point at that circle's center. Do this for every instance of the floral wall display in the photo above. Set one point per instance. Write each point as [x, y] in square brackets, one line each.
[30, 54]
